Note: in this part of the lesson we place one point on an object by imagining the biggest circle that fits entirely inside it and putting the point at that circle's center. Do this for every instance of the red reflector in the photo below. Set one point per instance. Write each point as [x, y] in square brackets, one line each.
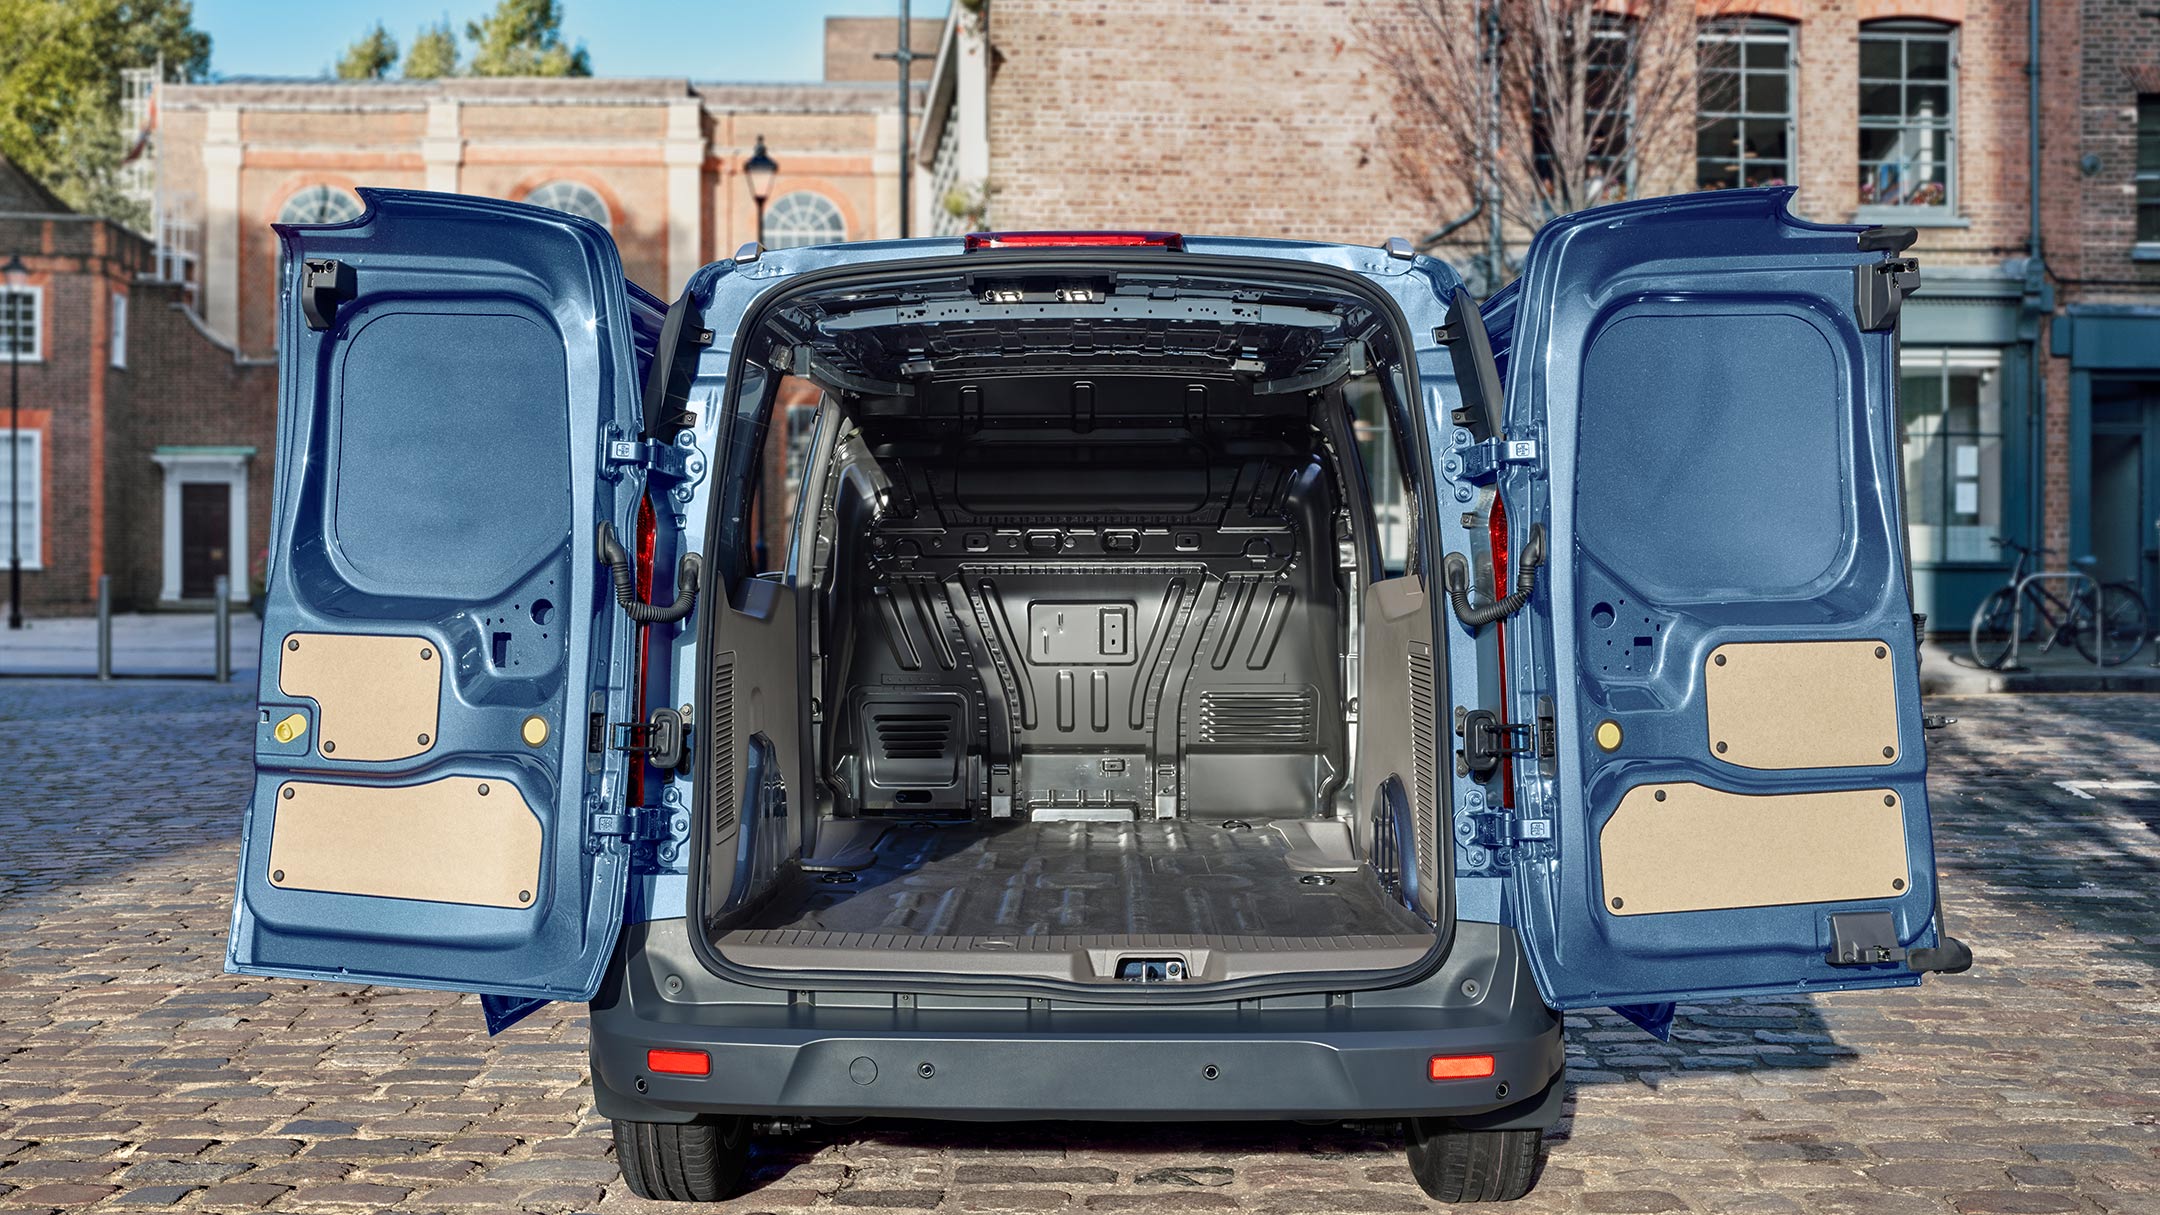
[1461, 1067]
[698, 1063]
[1074, 240]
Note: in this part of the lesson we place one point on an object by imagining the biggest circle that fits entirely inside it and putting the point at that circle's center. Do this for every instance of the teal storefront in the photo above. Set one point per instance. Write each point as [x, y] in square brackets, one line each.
[1971, 437]
[2114, 353]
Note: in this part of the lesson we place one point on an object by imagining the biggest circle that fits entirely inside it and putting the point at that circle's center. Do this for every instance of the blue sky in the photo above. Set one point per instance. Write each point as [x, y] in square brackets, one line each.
[713, 40]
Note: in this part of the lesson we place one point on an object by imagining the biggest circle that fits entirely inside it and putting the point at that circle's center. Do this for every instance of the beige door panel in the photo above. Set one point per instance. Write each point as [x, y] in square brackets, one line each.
[377, 698]
[455, 840]
[1802, 704]
[1688, 847]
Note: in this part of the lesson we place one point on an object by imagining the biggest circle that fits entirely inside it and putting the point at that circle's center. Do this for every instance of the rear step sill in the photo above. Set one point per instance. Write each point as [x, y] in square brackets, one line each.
[1091, 960]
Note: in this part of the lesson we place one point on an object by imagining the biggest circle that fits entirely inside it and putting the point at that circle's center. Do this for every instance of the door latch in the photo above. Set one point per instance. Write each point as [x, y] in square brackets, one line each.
[1487, 740]
[1880, 288]
[663, 739]
[325, 283]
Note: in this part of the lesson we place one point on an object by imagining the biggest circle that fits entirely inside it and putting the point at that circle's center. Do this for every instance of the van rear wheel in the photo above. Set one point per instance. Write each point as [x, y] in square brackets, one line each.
[688, 1162]
[1455, 1165]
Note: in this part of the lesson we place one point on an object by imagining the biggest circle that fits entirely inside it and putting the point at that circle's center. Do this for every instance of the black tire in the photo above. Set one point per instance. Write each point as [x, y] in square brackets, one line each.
[1991, 625]
[689, 1162]
[2122, 625]
[1455, 1165]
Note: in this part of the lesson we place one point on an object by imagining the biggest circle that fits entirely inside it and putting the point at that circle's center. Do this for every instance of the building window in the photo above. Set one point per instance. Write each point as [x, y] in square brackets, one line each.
[2148, 171]
[1607, 165]
[26, 485]
[118, 355]
[803, 218]
[319, 205]
[1953, 452]
[1908, 115]
[572, 198]
[1744, 105]
[22, 335]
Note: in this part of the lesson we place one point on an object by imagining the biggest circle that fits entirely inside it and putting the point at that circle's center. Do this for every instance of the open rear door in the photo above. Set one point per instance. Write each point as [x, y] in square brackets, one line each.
[431, 751]
[1739, 800]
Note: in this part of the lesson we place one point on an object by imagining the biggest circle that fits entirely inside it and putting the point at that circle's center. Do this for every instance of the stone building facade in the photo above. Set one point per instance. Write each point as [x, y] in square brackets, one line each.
[2030, 382]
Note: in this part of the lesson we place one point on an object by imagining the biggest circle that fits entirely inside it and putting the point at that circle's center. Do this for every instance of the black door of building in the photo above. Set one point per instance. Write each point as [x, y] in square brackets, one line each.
[2126, 484]
[205, 537]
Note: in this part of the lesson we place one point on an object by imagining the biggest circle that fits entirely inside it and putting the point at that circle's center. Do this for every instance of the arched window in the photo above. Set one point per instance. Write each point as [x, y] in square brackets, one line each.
[571, 198]
[319, 205]
[803, 218]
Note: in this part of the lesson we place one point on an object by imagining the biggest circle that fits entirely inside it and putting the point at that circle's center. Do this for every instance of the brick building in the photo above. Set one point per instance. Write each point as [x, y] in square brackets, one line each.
[144, 441]
[148, 371]
[2032, 383]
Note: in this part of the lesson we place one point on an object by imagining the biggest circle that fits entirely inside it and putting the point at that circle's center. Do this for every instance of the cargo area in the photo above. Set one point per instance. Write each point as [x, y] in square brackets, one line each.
[1079, 596]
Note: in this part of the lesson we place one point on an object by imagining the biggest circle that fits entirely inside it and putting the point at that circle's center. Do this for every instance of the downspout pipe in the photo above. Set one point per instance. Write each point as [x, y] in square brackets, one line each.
[2036, 303]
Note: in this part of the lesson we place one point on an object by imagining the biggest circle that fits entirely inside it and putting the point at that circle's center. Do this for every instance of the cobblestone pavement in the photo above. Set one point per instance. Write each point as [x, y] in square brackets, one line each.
[134, 1073]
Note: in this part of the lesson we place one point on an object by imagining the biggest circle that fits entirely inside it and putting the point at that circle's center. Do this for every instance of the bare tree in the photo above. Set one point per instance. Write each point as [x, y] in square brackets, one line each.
[1514, 111]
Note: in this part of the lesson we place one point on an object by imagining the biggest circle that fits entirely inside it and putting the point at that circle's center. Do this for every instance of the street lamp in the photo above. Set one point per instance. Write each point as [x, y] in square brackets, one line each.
[760, 170]
[14, 272]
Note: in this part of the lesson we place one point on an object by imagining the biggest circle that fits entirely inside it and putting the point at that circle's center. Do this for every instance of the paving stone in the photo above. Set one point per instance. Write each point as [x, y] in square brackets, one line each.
[241, 1195]
[156, 1195]
[126, 1048]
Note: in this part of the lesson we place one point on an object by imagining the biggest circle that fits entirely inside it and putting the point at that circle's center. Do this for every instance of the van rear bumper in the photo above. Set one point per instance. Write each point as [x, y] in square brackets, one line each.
[998, 1059]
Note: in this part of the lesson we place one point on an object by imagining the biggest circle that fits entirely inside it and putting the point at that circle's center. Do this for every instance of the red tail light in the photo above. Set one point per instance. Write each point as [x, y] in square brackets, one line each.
[1460, 1067]
[648, 534]
[1074, 240]
[1496, 534]
[692, 1062]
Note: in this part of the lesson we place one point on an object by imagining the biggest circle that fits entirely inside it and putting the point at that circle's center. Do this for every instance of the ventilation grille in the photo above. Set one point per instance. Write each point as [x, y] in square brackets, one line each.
[913, 735]
[720, 736]
[1423, 738]
[1253, 720]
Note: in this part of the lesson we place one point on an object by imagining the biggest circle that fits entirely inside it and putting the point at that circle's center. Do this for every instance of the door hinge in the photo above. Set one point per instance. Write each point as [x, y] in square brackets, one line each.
[657, 459]
[631, 823]
[1480, 461]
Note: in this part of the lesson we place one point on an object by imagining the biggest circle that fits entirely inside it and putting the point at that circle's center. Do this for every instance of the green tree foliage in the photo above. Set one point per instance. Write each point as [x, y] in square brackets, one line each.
[433, 55]
[60, 112]
[371, 58]
[524, 38]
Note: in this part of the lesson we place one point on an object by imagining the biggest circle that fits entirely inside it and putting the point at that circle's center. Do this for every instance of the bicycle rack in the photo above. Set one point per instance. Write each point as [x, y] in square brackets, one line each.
[2017, 614]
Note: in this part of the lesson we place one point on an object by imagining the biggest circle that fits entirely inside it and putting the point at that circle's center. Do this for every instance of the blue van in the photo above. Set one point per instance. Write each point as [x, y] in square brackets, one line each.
[1141, 677]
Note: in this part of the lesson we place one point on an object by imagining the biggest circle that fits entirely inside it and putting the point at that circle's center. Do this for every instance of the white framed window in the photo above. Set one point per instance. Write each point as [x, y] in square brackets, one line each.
[319, 204]
[1908, 116]
[572, 198]
[25, 483]
[1953, 407]
[803, 218]
[22, 329]
[1744, 104]
[119, 330]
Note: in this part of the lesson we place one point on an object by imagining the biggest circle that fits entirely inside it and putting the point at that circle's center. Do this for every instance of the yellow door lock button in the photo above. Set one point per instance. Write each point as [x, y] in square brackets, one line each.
[291, 728]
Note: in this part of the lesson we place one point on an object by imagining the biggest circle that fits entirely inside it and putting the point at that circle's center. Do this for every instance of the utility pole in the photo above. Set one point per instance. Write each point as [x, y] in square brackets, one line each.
[906, 59]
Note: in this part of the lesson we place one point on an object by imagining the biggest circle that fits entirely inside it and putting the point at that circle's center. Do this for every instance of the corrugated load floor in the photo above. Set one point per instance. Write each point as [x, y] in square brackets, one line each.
[1039, 880]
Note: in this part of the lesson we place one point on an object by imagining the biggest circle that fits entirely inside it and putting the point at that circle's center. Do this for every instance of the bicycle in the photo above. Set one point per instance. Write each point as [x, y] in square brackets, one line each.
[2001, 624]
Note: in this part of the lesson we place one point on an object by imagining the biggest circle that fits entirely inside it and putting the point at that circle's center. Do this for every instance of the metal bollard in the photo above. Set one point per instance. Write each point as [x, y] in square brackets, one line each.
[224, 631]
[104, 627]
